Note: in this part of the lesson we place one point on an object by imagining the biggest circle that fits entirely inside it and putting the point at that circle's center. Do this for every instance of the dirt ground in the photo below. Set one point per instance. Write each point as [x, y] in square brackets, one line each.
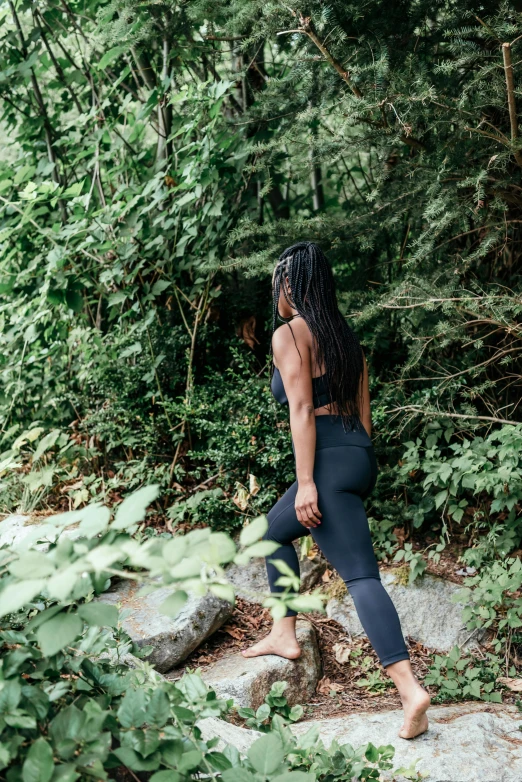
[339, 691]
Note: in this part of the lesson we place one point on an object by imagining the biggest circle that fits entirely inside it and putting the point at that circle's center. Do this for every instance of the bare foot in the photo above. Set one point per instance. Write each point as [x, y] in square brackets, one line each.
[415, 719]
[282, 646]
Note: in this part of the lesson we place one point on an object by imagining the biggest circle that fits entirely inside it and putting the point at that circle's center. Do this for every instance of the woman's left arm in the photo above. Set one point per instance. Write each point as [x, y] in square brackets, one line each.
[296, 374]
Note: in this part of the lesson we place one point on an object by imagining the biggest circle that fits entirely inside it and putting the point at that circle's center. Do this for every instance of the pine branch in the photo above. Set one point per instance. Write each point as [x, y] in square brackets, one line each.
[306, 28]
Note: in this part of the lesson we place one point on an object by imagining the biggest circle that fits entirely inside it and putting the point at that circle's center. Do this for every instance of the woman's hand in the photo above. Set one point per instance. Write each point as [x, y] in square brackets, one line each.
[306, 508]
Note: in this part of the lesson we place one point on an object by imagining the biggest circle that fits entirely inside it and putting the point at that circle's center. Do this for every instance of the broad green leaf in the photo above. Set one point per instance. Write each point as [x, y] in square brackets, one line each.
[165, 776]
[131, 711]
[16, 595]
[45, 443]
[173, 604]
[224, 591]
[111, 55]
[60, 631]
[32, 565]
[99, 614]
[158, 709]
[160, 286]
[133, 507]
[266, 754]
[238, 775]
[254, 531]
[38, 765]
[10, 694]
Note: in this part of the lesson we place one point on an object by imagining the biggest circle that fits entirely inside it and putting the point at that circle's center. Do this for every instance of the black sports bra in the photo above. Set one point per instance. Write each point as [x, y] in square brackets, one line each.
[320, 393]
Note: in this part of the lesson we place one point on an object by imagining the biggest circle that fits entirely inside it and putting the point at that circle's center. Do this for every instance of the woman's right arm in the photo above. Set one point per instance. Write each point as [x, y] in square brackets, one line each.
[365, 413]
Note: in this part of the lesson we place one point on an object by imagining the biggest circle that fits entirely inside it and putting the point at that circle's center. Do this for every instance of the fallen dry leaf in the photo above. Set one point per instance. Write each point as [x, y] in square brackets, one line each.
[511, 684]
[241, 498]
[326, 577]
[235, 632]
[341, 652]
[253, 485]
[326, 686]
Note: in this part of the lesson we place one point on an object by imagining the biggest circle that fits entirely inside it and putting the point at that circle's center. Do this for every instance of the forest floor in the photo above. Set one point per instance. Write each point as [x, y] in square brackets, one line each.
[340, 691]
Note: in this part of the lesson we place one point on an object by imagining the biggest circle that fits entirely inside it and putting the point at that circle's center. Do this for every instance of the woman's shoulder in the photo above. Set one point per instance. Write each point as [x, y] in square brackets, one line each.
[290, 333]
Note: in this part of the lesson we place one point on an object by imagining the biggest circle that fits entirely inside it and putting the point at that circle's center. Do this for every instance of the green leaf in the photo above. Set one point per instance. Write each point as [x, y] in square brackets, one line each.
[110, 56]
[238, 775]
[131, 712]
[440, 498]
[173, 604]
[218, 761]
[10, 695]
[158, 709]
[99, 614]
[266, 754]
[34, 564]
[45, 443]
[15, 596]
[254, 531]
[133, 507]
[60, 631]
[190, 760]
[159, 287]
[165, 776]
[38, 765]
[130, 758]
[294, 776]
[371, 753]
[223, 591]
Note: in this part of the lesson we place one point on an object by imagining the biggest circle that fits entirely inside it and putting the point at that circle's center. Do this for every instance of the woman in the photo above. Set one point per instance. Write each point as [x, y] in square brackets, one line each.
[320, 371]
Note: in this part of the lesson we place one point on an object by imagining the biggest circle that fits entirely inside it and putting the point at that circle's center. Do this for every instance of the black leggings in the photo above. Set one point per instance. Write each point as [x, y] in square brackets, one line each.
[345, 472]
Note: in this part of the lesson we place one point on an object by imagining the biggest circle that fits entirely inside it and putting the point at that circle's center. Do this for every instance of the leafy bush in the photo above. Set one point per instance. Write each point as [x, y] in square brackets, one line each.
[493, 600]
[243, 444]
[40, 463]
[70, 707]
[274, 703]
[475, 484]
[459, 676]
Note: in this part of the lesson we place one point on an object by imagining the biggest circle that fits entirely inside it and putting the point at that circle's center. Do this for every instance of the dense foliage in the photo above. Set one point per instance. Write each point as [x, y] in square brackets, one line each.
[71, 707]
[156, 159]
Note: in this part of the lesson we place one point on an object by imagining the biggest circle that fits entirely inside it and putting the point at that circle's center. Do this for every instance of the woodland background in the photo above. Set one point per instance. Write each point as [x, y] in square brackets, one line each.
[156, 158]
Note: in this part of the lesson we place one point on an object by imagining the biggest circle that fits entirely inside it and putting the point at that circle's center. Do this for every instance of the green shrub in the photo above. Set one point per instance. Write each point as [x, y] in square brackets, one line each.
[459, 677]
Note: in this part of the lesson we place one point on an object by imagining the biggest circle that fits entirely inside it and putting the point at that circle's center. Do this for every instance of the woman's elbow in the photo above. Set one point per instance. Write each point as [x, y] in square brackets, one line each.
[302, 410]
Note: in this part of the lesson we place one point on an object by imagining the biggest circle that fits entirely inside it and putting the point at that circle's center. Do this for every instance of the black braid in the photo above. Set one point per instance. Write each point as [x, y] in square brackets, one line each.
[336, 346]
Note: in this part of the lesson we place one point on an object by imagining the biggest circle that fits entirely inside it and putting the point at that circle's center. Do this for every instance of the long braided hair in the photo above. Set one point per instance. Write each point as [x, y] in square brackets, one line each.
[308, 286]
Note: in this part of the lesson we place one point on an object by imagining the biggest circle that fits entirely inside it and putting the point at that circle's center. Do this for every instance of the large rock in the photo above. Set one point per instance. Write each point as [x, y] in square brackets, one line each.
[21, 532]
[173, 639]
[425, 610]
[251, 583]
[248, 680]
[240, 738]
[468, 742]
[16, 528]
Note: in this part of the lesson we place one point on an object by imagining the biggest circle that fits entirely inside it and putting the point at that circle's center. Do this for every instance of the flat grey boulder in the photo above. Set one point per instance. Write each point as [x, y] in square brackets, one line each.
[468, 742]
[425, 611]
[173, 639]
[248, 680]
[20, 531]
[16, 528]
[251, 583]
[240, 738]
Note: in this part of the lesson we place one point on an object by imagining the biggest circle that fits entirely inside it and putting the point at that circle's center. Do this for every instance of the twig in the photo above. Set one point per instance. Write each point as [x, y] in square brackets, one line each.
[437, 413]
[508, 70]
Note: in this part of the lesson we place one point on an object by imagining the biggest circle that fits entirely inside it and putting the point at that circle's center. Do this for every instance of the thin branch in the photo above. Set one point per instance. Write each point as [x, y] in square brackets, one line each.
[510, 86]
[437, 413]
